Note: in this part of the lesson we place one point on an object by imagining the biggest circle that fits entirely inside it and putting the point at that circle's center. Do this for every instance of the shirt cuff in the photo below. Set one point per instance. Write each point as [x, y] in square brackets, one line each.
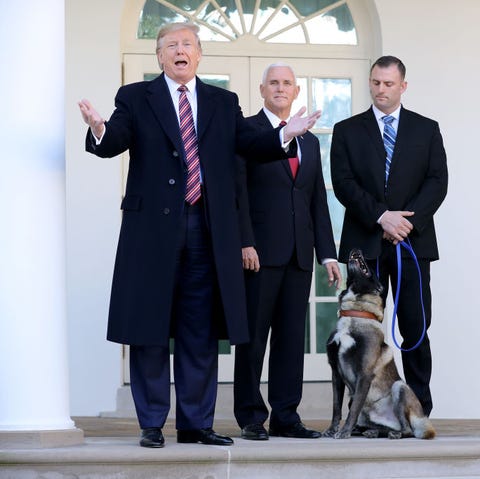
[285, 145]
[99, 140]
[381, 216]
[329, 260]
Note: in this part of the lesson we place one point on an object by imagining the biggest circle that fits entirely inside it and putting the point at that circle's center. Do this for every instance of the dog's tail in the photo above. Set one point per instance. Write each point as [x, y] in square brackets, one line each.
[410, 412]
[422, 427]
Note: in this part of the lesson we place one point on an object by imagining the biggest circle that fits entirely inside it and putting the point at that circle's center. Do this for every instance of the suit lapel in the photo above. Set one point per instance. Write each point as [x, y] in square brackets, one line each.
[305, 144]
[373, 131]
[263, 123]
[402, 134]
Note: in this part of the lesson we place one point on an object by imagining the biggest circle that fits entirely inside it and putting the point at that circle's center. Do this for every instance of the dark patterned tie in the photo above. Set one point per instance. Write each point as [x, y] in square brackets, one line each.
[389, 136]
[293, 161]
[189, 138]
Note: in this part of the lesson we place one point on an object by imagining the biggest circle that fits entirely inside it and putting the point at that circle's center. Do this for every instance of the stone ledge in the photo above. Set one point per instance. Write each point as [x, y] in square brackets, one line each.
[279, 458]
[42, 439]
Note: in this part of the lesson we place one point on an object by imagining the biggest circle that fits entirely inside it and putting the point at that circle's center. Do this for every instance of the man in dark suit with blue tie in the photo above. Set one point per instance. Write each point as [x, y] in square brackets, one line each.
[178, 269]
[284, 219]
[389, 170]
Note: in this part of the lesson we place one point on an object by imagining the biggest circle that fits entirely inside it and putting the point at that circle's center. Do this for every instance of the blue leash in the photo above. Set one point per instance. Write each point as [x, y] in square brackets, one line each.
[409, 248]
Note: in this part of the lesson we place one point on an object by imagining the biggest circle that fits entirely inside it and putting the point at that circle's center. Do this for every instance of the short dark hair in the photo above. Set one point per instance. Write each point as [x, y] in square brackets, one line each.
[389, 60]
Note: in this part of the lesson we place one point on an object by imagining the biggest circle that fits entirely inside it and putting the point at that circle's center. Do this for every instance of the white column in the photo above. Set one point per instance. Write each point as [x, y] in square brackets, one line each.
[33, 355]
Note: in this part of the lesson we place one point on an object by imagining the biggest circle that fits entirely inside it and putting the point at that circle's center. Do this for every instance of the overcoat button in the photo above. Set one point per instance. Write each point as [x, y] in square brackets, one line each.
[175, 153]
[171, 181]
[166, 211]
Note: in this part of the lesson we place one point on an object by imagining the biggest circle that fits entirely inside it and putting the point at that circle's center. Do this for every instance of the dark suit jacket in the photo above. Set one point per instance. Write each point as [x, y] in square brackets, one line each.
[417, 180]
[279, 213]
[145, 123]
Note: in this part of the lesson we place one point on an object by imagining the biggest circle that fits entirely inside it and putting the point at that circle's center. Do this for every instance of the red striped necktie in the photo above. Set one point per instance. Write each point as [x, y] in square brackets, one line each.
[189, 138]
[293, 161]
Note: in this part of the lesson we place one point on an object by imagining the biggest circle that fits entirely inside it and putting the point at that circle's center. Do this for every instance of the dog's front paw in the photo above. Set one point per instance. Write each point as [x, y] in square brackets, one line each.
[394, 434]
[330, 432]
[371, 433]
[343, 434]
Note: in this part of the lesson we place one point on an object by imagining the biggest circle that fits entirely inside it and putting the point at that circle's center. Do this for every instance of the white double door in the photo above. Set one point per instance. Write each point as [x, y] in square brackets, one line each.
[243, 75]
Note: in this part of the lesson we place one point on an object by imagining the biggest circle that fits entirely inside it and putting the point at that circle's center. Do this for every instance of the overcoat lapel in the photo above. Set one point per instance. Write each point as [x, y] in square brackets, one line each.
[161, 103]
[205, 108]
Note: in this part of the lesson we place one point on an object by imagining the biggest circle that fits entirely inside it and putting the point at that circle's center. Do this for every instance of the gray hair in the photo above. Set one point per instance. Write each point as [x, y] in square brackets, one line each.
[274, 65]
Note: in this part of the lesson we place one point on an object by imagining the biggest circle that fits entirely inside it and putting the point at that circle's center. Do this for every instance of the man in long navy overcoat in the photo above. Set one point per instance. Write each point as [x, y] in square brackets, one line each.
[178, 269]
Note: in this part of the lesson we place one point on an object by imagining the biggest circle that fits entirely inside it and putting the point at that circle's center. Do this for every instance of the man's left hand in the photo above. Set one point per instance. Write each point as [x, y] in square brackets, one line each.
[299, 125]
[333, 273]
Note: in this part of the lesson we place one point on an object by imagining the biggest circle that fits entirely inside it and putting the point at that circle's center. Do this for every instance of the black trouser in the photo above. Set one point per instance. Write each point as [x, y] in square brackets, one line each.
[417, 364]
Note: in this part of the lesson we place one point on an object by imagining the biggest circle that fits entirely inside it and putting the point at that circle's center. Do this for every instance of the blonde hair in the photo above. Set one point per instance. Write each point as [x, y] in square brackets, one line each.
[173, 27]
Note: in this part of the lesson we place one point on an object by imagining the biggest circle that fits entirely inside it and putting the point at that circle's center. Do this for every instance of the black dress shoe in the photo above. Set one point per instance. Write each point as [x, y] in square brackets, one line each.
[254, 432]
[297, 430]
[152, 437]
[203, 436]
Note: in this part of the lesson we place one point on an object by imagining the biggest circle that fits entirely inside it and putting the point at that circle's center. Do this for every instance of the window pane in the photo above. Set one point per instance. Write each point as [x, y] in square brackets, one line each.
[326, 316]
[334, 27]
[228, 22]
[216, 20]
[321, 282]
[325, 144]
[283, 18]
[336, 214]
[222, 81]
[153, 16]
[264, 12]
[224, 346]
[302, 99]
[248, 10]
[307, 7]
[334, 97]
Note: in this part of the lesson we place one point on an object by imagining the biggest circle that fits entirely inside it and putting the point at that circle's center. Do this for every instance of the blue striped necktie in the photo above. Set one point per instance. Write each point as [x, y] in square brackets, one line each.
[389, 136]
[189, 138]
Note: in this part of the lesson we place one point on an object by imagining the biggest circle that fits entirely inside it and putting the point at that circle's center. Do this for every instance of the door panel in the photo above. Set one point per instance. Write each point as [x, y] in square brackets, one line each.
[337, 87]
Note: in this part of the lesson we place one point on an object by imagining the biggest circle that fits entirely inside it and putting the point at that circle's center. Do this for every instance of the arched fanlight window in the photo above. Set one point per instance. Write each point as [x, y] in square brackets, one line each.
[275, 21]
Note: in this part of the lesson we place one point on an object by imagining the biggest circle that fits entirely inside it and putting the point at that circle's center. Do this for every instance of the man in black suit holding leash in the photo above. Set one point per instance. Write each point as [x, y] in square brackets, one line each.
[178, 269]
[389, 170]
[284, 218]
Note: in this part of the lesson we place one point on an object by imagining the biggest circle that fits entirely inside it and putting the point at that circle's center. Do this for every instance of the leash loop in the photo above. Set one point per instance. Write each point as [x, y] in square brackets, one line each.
[409, 248]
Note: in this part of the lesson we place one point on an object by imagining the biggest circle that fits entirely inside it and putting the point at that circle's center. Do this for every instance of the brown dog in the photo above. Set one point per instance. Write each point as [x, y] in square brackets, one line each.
[381, 403]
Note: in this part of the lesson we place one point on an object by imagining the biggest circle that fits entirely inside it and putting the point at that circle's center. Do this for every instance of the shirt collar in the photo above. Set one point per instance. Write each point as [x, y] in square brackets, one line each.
[274, 120]
[173, 86]
[379, 114]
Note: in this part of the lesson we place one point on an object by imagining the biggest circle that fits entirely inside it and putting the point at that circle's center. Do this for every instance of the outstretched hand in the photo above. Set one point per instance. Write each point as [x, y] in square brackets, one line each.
[92, 118]
[299, 125]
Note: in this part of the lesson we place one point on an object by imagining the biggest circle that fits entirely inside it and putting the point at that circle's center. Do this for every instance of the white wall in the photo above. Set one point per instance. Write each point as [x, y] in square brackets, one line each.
[438, 42]
[93, 71]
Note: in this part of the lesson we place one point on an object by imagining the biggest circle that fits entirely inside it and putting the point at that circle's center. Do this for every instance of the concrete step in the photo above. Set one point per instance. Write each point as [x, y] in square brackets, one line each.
[454, 454]
[279, 458]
